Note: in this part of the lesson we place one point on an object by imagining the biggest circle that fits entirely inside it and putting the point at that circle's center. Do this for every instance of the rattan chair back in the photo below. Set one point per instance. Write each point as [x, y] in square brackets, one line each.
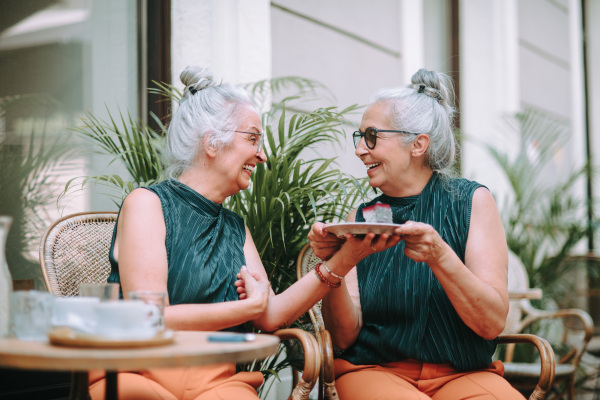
[75, 249]
[307, 261]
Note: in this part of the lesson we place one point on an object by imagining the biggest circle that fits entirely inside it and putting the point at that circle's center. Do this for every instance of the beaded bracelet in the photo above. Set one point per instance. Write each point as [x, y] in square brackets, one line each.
[330, 271]
[325, 280]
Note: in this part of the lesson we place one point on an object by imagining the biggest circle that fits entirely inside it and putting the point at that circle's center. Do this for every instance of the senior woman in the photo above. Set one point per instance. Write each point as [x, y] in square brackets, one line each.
[420, 319]
[176, 237]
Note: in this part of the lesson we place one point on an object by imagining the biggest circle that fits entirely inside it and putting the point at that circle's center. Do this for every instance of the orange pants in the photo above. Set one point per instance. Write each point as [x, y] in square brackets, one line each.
[415, 380]
[211, 382]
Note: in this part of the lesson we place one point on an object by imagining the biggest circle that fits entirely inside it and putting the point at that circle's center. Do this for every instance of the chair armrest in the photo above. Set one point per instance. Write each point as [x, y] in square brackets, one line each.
[533, 314]
[546, 360]
[585, 319]
[327, 370]
[312, 361]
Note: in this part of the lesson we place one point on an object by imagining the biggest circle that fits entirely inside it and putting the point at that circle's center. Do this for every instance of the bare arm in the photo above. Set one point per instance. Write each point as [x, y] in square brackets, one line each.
[142, 256]
[341, 308]
[286, 307]
[478, 288]
[342, 312]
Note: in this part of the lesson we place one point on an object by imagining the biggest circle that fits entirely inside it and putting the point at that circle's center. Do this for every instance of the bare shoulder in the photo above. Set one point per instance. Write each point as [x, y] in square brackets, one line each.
[352, 215]
[141, 208]
[141, 198]
[483, 200]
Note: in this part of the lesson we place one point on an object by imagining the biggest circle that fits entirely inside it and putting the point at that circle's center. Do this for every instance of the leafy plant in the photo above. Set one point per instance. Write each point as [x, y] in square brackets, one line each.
[131, 143]
[544, 220]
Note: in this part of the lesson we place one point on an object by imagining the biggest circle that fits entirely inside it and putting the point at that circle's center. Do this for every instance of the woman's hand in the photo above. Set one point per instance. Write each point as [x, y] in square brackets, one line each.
[422, 242]
[254, 288]
[241, 287]
[323, 244]
[357, 248]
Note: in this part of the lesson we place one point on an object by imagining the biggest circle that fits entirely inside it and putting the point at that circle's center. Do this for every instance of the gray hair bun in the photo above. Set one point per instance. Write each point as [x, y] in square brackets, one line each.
[436, 85]
[196, 78]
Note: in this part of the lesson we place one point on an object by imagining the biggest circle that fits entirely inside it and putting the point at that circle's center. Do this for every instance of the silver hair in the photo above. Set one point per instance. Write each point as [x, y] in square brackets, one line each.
[206, 108]
[425, 106]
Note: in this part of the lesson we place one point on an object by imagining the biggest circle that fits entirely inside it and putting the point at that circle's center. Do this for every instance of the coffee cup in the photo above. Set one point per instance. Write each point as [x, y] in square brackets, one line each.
[126, 319]
[75, 312]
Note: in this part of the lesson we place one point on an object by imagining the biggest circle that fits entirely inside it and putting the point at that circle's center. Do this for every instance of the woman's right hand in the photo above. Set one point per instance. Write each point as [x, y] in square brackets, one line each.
[323, 244]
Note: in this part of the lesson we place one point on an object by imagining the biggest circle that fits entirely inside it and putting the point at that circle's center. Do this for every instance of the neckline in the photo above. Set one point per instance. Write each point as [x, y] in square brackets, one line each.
[195, 199]
[403, 201]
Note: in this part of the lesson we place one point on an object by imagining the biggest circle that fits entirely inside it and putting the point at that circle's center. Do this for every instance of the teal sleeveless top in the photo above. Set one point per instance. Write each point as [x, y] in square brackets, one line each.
[406, 313]
[205, 246]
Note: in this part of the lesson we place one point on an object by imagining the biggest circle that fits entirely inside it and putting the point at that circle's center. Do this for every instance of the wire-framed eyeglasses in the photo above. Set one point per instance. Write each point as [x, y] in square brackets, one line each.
[257, 139]
[370, 136]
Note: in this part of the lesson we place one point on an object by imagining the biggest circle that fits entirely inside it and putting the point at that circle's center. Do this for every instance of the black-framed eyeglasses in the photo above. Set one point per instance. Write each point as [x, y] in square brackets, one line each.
[370, 136]
[257, 141]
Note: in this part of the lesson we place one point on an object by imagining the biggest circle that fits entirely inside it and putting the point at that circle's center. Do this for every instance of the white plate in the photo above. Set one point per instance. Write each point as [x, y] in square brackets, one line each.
[360, 228]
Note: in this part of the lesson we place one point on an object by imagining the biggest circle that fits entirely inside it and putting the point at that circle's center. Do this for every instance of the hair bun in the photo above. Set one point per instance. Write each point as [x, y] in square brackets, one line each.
[196, 78]
[434, 84]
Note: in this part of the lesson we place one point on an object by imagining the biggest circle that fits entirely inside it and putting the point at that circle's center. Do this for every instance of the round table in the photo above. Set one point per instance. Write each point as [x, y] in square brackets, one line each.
[189, 348]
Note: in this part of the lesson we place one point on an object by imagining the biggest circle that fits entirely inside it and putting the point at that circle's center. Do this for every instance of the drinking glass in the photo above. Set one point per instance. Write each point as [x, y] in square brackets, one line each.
[31, 314]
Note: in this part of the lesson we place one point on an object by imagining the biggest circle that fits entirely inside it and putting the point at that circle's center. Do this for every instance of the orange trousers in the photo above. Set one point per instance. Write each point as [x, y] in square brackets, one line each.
[211, 382]
[415, 380]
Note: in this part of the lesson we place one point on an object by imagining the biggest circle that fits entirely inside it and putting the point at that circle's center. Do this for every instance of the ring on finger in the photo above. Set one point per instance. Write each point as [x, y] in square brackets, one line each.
[373, 248]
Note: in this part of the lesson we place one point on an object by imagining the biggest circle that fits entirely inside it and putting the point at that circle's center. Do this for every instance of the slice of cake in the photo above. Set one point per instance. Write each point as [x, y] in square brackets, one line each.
[378, 213]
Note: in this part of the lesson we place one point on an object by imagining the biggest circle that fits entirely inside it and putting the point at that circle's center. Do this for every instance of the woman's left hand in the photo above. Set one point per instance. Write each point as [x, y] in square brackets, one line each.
[422, 242]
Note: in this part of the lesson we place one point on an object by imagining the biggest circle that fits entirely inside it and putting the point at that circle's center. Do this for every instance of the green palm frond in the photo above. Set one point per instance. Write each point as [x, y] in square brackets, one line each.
[131, 144]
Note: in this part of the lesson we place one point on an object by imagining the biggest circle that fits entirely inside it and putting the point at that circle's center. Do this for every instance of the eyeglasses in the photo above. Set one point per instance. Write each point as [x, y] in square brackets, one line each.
[257, 139]
[370, 136]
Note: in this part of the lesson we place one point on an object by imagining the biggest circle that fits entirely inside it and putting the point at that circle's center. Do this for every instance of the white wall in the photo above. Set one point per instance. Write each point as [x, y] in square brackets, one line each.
[231, 37]
[489, 84]
[352, 47]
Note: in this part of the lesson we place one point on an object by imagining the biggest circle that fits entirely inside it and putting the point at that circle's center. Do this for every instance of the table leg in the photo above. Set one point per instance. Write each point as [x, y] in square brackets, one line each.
[79, 386]
[111, 386]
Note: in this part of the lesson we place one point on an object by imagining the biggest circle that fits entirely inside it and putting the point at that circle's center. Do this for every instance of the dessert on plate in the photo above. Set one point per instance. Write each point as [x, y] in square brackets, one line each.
[378, 213]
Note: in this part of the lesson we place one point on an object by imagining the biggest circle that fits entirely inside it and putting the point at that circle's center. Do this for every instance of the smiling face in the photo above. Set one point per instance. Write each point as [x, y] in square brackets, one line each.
[390, 161]
[238, 160]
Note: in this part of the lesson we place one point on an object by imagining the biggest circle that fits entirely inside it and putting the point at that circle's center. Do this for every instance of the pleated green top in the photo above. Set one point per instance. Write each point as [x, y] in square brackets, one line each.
[204, 244]
[406, 313]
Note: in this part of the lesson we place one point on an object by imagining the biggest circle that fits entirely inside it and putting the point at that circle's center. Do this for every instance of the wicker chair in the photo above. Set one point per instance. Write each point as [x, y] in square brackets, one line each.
[75, 249]
[544, 375]
[576, 330]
